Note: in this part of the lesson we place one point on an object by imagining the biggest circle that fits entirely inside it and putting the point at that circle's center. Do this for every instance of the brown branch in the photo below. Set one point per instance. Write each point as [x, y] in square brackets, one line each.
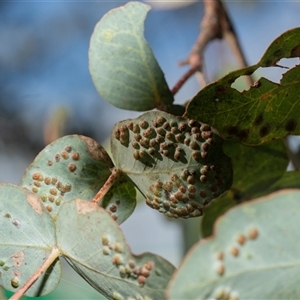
[215, 24]
[54, 254]
[107, 185]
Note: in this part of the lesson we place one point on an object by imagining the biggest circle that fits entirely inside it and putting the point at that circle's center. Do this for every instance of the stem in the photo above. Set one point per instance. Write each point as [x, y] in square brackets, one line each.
[183, 79]
[215, 24]
[107, 185]
[55, 253]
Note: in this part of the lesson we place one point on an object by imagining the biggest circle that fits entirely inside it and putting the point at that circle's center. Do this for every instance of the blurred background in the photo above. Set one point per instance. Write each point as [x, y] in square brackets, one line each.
[45, 88]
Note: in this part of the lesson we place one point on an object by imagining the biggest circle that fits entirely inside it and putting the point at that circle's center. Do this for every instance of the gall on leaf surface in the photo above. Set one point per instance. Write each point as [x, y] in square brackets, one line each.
[70, 167]
[27, 234]
[94, 245]
[266, 111]
[120, 201]
[255, 170]
[253, 254]
[178, 164]
[122, 65]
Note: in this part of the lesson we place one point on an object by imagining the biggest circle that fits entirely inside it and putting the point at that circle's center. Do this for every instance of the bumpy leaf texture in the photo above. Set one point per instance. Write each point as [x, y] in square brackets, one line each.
[178, 164]
[70, 167]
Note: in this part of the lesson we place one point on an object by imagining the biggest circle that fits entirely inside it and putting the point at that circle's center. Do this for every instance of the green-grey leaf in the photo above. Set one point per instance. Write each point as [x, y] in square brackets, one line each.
[72, 166]
[122, 65]
[27, 238]
[254, 254]
[177, 164]
[266, 111]
[120, 201]
[97, 250]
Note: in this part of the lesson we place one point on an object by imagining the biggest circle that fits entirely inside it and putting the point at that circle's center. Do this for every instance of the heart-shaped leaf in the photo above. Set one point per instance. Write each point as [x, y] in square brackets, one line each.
[72, 166]
[266, 111]
[122, 65]
[97, 250]
[27, 236]
[178, 164]
[253, 255]
[120, 201]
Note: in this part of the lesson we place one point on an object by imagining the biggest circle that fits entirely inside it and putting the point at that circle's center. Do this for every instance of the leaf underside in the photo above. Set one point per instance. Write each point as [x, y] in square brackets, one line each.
[254, 254]
[177, 164]
[27, 238]
[72, 166]
[102, 256]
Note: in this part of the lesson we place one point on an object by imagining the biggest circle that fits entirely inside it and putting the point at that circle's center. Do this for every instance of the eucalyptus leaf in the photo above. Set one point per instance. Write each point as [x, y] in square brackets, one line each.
[254, 254]
[27, 238]
[120, 201]
[265, 112]
[97, 250]
[255, 170]
[177, 164]
[122, 65]
[213, 211]
[72, 166]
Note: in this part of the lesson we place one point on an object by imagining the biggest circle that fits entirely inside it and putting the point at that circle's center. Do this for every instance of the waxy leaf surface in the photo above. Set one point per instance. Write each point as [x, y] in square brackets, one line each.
[255, 170]
[177, 164]
[120, 201]
[254, 254]
[27, 236]
[266, 111]
[72, 166]
[122, 65]
[97, 250]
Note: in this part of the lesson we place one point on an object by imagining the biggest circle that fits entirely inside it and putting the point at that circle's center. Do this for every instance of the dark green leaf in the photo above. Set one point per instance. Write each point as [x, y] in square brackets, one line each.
[178, 164]
[289, 179]
[266, 111]
[122, 65]
[255, 169]
[214, 210]
[254, 254]
[27, 238]
[72, 166]
[97, 250]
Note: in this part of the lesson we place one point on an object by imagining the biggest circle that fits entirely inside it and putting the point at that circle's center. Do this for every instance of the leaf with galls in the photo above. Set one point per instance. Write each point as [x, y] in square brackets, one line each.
[27, 236]
[266, 111]
[177, 164]
[97, 250]
[120, 201]
[253, 254]
[70, 167]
